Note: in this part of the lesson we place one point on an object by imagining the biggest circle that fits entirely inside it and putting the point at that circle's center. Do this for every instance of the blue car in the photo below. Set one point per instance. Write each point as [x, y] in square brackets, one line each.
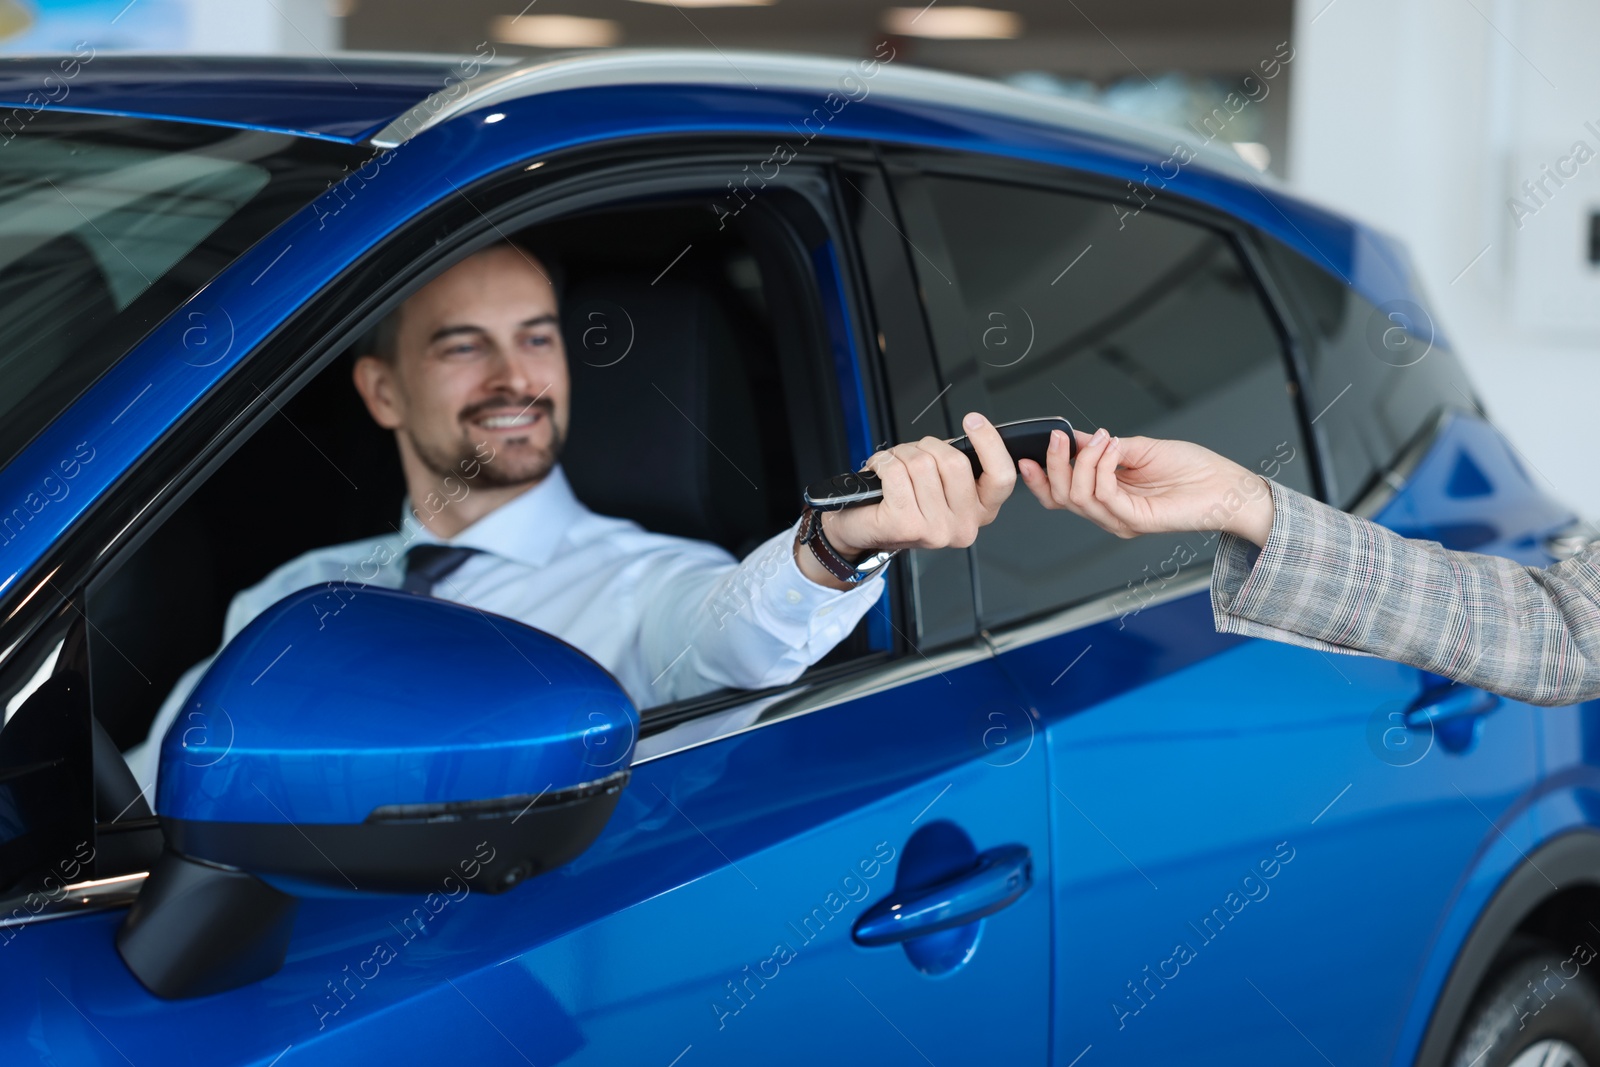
[1034, 809]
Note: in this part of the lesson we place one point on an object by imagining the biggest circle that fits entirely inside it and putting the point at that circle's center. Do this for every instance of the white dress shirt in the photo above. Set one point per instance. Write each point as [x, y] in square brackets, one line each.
[670, 617]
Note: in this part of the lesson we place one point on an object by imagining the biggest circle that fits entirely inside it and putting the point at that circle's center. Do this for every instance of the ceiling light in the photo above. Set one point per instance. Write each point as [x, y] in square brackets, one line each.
[709, 3]
[1254, 153]
[557, 31]
[953, 23]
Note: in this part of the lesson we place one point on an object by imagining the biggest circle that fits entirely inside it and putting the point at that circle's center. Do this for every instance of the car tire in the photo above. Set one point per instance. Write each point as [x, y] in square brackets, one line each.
[1532, 1014]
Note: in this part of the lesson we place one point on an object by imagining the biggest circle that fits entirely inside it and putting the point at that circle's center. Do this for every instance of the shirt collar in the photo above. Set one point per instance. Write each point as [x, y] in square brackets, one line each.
[527, 528]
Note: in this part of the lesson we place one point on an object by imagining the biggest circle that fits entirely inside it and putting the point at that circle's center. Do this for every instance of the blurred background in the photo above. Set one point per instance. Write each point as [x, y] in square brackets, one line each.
[1470, 128]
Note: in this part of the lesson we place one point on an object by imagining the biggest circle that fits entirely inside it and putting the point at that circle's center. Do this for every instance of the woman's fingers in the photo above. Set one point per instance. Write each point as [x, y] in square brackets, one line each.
[1038, 483]
[1109, 492]
[1048, 482]
[1059, 463]
[1081, 485]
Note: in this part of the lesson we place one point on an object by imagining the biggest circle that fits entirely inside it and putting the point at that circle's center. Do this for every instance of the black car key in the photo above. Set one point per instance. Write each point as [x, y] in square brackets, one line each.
[1025, 439]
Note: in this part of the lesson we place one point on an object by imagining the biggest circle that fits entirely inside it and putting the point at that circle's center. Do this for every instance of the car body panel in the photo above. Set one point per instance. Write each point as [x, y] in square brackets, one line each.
[709, 856]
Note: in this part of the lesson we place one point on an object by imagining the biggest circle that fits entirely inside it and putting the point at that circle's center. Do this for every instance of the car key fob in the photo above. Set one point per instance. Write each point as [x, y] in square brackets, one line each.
[1025, 439]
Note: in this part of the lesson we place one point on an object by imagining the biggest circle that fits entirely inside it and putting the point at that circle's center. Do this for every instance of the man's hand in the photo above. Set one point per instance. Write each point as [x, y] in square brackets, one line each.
[930, 500]
[1139, 485]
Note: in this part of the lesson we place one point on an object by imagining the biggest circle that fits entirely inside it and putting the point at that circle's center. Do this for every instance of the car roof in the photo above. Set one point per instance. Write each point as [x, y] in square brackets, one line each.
[343, 97]
[847, 77]
[383, 100]
[386, 99]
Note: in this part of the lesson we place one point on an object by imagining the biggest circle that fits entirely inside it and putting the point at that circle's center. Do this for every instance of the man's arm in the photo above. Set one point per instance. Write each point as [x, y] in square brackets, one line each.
[781, 610]
[1325, 579]
[755, 625]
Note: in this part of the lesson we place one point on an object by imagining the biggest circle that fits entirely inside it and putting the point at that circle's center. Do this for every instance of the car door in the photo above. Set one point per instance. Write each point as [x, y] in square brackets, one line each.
[1255, 843]
[740, 904]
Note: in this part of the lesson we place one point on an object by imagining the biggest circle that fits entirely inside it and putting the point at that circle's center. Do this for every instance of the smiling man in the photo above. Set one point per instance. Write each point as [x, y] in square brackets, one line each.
[470, 374]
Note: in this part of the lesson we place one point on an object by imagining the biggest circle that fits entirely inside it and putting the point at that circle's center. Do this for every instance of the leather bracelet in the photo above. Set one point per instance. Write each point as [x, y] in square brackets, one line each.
[813, 537]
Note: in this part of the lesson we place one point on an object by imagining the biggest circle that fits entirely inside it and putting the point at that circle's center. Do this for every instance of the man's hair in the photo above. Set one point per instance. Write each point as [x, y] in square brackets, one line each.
[383, 340]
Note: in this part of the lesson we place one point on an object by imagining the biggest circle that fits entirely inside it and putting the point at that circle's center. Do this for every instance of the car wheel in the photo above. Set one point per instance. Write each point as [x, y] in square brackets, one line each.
[1542, 1010]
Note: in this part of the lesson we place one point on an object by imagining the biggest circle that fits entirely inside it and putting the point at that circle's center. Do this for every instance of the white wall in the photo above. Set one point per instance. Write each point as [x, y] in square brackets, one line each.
[1422, 117]
[280, 26]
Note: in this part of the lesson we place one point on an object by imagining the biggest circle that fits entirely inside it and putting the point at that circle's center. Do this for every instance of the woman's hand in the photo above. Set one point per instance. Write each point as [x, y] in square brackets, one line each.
[1139, 485]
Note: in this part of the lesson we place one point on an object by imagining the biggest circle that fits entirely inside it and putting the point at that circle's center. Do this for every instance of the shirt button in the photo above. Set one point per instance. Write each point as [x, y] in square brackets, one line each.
[825, 611]
[794, 596]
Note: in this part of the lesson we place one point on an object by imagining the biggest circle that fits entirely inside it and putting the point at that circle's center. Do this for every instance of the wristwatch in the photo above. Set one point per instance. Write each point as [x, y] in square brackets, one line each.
[812, 537]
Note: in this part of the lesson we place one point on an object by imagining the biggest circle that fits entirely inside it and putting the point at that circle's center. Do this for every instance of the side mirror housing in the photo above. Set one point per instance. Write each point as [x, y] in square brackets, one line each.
[356, 739]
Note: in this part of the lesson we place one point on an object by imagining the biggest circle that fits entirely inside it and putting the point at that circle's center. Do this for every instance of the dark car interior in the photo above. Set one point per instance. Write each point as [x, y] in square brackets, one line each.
[702, 399]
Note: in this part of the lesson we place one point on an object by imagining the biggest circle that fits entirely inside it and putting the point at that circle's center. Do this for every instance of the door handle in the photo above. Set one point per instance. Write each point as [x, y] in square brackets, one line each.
[1447, 703]
[1451, 712]
[998, 878]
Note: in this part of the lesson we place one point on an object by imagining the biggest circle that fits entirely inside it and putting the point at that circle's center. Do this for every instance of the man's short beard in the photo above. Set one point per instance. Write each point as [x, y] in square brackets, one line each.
[466, 458]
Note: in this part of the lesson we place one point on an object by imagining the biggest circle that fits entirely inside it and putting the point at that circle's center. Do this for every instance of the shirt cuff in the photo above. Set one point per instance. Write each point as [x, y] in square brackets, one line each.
[798, 610]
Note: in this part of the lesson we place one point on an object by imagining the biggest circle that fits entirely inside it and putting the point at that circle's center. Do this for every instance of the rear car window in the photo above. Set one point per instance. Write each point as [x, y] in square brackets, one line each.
[1153, 327]
[1377, 377]
[108, 224]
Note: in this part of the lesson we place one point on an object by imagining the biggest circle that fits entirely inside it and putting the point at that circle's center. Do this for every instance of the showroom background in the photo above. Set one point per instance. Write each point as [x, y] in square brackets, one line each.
[1442, 121]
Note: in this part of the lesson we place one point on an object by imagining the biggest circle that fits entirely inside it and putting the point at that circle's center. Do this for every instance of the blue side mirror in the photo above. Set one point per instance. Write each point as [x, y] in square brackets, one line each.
[355, 739]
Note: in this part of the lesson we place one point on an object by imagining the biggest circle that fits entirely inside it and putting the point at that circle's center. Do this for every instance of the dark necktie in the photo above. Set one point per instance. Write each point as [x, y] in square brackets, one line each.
[428, 565]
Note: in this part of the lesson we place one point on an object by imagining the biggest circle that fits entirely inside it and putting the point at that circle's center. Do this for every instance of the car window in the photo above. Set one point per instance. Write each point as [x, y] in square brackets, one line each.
[703, 396]
[1377, 376]
[107, 224]
[1048, 303]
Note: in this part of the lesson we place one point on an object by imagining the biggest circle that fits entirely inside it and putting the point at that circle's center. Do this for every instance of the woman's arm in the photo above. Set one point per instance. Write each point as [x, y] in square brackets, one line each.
[1292, 569]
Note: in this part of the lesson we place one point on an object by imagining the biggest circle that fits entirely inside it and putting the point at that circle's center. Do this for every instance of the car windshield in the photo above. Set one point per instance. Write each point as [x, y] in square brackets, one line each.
[108, 224]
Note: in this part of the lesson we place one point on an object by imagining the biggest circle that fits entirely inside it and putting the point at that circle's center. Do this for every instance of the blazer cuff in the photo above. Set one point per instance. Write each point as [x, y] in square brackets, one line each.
[1254, 591]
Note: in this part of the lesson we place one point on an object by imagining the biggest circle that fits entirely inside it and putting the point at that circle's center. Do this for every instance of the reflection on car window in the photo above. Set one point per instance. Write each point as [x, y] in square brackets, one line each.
[1149, 327]
[1386, 397]
[107, 225]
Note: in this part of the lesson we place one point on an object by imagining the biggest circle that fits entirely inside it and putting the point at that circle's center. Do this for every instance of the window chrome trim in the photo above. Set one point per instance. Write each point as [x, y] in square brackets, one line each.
[1095, 611]
[807, 73]
[773, 708]
[1405, 465]
[79, 898]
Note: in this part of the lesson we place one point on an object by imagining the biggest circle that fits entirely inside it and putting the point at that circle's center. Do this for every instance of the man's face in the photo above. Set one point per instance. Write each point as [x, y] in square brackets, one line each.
[479, 370]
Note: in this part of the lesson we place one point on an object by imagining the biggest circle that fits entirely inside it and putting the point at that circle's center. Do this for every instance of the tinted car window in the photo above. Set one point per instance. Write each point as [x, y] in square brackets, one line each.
[107, 224]
[1378, 377]
[1147, 325]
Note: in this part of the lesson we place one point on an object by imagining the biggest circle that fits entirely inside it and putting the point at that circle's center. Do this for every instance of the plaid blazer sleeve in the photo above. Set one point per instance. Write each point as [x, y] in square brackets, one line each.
[1331, 581]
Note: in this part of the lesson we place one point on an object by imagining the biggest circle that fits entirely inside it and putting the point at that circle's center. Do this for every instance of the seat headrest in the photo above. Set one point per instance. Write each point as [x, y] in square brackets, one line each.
[664, 427]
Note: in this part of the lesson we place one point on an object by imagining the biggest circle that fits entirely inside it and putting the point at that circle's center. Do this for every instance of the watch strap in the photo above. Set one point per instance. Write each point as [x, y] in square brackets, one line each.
[813, 537]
